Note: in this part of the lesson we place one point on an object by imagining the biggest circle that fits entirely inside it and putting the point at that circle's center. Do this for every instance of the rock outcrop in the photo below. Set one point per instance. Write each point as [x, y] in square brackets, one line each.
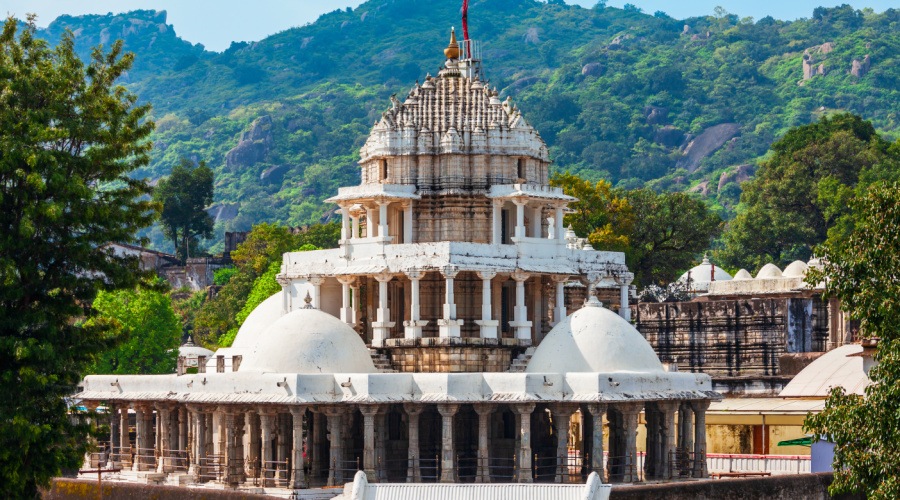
[739, 174]
[706, 144]
[254, 144]
[592, 69]
[813, 60]
[702, 188]
[531, 36]
[656, 115]
[221, 212]
[860, 68]
[274, 175]
[668, 136]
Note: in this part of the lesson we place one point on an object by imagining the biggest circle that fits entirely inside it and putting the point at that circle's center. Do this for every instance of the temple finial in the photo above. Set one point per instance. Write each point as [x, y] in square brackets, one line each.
[308, 301]
[452, 50]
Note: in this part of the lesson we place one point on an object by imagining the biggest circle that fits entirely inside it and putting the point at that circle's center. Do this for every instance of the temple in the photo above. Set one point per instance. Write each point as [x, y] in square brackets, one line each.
[435, 344]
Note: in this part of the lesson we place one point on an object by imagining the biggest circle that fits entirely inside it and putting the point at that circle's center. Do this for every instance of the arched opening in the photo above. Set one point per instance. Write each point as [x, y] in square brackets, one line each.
[520, 169]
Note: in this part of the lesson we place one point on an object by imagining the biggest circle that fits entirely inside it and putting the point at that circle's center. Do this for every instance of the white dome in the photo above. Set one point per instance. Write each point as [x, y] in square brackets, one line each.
[841, 367]
[769, 271]
[190, 350]
[796, 269]
[308, 341]
[701, 273]
[743, 274]
[258, 320]
[596, 340]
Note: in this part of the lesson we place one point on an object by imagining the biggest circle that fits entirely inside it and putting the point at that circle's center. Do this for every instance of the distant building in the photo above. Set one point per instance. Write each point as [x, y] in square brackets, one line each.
[196, 275]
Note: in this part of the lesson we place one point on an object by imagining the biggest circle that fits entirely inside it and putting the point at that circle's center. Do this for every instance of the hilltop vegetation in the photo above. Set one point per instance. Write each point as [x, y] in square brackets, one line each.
[639, 100]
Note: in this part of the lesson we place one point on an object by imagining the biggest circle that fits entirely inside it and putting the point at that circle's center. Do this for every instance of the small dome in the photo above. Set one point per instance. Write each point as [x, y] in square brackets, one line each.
[842, 367]
[797, 269]
[258, 320]
[743, 274]
[701, 273]
[596, 340]
[769, 271]
[190, 350]
[308, 341]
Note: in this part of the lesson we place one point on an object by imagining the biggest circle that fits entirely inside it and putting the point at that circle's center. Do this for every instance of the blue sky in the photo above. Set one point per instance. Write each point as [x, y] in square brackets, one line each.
[216, 24]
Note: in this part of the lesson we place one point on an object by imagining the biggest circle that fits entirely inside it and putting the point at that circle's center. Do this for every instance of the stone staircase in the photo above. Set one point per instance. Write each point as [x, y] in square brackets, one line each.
[518, 365]
[382, 363]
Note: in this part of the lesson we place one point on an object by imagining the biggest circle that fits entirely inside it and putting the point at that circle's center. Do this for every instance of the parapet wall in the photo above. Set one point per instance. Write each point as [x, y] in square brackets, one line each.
[794, 487]
[82, 489]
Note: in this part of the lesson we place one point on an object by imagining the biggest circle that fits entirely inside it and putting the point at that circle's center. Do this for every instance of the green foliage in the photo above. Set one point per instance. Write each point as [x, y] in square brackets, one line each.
[801, 193]
[184, 196]
[148, 329]
[861, 271]
[669, 230]
[188, 308]
[223, 276]
[601, 212]
[69, 139]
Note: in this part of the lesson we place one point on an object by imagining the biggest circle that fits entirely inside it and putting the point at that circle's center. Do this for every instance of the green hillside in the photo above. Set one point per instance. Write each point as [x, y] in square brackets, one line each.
[634, 98]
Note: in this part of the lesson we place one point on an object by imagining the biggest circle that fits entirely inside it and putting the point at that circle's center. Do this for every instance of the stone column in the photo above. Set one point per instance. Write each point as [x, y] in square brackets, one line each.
[354, 304]
[560, 233]
[449, 325]
[370, 222]
[369, 412]
[408, 223]
[413, 328]
[524, 411]
[231, 453]
[165, 418]
[685, 428]
[383, 218]
[251, 422]
[700, 467]
[536, 214]
[487, 324]
[114, 443]
[182, 429]
[317, 433]
[630, 412]
[520, 313]
[561, 414]
[346, 306]
[520, 217]
[559, 311]
[381, 328]
[597, 411]
[345, 223]
[316, 282]
[266, 426]
[354, 227]
[124, 438]
[667, 431]
[624, 310]
[484, 411]
[298, 478]
[380, 444]
[413, 474]
[334, 428]
[198, 446]
[448, 452]
[140, 436]
[496, 223]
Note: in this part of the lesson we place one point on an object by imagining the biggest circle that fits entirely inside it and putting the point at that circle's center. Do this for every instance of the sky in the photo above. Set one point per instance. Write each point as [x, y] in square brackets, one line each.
[217, 24]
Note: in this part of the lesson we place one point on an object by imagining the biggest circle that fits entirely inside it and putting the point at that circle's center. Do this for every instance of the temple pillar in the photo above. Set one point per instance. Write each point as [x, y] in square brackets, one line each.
[198, 446]
[523, 411]
[700, 467]
[449, 325]
[114, 443]
[559, 311]
[370, 222]
[381, 328]
[231, 472]
[124, 438]
[346, 305]
[520, 313]
[484, 411]
[345, 223]
[536, 214]
[335, 425]
[597, 411]
[560, 233]
[298, 478]
[182, 429]
[561, 414]
[520, 217]
[408, 223]
[413, 474]
[380, 444]
[267, 427]
[354, 227]
[140, 436]
[369, 412]
[412, 329]
[489, 326]
[251, 423]
[630, 412]
[354, 302]
[316, 282]
[383, 218]
[317, 433]
[624, 310]
[448, 451]
[496, 222]
[668, 435]
[164, 415]
[685, 432]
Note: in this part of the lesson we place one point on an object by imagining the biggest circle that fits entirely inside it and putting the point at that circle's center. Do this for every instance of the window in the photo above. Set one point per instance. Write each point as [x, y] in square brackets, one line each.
[384, 170]
[520, 167]
[504, 227]
[504, 309]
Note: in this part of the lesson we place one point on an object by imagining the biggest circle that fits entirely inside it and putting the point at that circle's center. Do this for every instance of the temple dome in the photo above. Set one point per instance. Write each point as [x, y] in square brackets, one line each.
[846, 366]
[796, 269]
[769, 271]
[743, 274]
[258, 320]
[596, 340]
[308, 341]
[701, 273]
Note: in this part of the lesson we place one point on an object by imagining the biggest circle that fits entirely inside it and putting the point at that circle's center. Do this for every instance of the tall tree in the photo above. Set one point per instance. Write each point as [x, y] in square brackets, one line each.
[801, 192]
[670, 229]
[601, 213]
[149, 328]
[861, 271]
[69, 137]
[184, 196]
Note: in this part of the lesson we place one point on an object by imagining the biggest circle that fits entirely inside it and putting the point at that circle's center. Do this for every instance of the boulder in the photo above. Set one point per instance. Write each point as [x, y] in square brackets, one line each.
[739, 174]
[668, 136]
[531, 36]
[221, 212]
[592, 69]
[860, 68]
[253, 145]
[656, 115]
[702, 188]
[687, 30]
[274, 175]
[706, 144]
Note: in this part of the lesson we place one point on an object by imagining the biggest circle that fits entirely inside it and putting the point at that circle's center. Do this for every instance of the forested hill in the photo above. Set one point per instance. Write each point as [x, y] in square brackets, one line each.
[633, 98]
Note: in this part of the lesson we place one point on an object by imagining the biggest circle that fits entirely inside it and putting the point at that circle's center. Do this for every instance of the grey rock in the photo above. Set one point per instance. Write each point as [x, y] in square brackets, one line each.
[160, 146]
[739, 174]
[253, 145]
[656, 115]
[531, 36]
[592, 69]
[706, 144]
[668, 136]
[687, 30]
[221, 212]
[702, 188]
[274, 175]
[860, 68]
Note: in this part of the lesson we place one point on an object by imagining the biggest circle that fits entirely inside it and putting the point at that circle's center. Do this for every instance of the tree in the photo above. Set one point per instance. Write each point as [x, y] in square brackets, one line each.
[861, 271]
[601, 213]
[669, 230]
[69, 137]
[145, 318]
[801, 193]
[184, 196]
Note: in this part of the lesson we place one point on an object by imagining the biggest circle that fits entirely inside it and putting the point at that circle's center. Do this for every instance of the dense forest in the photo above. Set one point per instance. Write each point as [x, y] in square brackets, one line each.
[638, 99]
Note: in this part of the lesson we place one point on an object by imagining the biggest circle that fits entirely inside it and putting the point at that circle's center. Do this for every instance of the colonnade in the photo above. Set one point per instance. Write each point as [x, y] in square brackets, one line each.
[298, 445]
